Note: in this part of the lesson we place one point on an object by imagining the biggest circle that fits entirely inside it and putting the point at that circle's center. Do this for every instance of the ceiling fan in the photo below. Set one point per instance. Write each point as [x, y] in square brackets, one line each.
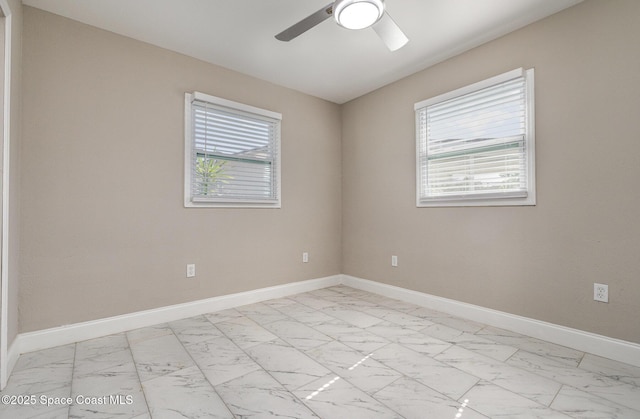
[353, 14]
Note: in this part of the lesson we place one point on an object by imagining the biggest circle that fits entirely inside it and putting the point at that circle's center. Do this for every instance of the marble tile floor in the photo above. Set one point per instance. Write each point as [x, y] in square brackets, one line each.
[332, 353]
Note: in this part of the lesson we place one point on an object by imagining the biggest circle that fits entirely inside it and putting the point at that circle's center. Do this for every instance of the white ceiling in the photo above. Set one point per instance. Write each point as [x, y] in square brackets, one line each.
[328, 61]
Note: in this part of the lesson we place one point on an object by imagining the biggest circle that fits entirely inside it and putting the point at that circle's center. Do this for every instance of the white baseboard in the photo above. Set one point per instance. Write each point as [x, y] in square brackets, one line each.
[615, 349]
[63, 335]
[619, 350]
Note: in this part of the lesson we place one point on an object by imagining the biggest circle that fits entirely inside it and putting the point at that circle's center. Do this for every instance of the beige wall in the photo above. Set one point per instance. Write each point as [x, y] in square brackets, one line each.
[540, 262]
[104, 230]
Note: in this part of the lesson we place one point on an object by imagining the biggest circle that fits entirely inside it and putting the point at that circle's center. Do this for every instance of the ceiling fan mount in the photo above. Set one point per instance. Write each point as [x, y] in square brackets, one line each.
[353, 14]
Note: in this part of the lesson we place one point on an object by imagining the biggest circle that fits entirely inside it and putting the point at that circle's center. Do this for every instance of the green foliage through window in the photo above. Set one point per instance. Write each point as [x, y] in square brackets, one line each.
[211, 174]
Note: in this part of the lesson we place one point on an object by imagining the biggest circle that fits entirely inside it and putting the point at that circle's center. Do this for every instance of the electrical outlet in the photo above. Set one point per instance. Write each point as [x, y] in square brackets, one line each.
[305, 257]
[191, 270]
[394, 261]
[601, 292]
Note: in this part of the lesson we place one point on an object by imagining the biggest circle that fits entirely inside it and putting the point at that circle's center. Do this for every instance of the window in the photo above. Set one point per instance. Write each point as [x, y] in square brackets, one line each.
[475, 145]
[232, 154]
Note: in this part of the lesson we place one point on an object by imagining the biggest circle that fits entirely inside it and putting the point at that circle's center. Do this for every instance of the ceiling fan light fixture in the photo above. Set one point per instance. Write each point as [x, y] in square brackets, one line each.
[357, 14]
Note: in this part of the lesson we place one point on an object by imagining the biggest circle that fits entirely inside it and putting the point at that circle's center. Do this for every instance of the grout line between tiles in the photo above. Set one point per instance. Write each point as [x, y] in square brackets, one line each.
[267, 372]
[198, 366]
[556, 395]
[73, 374]
[135, 366]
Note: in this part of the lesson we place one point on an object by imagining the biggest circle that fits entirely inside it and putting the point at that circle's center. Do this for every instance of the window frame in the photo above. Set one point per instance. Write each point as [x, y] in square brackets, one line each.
[239, 109]
[488, 199]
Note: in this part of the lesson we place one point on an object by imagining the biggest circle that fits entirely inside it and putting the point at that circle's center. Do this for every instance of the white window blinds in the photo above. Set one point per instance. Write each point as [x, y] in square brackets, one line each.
[234, 153]
[473, 143]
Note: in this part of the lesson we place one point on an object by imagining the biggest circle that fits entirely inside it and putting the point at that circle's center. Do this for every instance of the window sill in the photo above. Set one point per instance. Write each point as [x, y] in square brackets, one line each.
[238, 204]
[479, 202]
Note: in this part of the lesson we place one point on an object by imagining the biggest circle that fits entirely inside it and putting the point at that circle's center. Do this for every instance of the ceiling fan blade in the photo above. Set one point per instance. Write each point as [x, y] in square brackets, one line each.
[306, 24]
[390, 33]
